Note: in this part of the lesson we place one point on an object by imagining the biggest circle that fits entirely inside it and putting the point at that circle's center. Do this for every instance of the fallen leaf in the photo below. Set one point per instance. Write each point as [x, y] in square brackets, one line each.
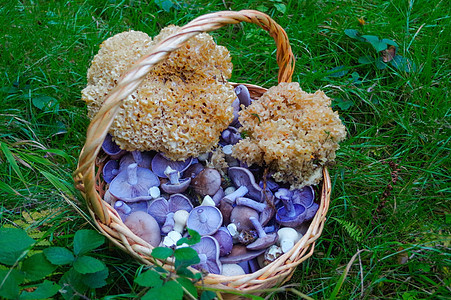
[388, 54]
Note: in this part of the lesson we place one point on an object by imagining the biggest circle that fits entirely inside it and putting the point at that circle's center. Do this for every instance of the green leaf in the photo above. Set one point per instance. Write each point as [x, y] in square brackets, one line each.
[170, 290]
[342, 103]
[380, 64]
[188, 285]
[162, 252]
[43, 101]
[37, 267]
[59, 255]
[87, 264]
[366, 59]
[44, 290]
[13, 244]
[193, 239]
[149, 278]
[389, 42]
[71, 284]
[339, 71]
[166, 5]
[11, 160]
[86, 240]
[185, 257]
[355, 34]
[9, 283]
[375, 42]
[280, 7]
[207, 295]
[97, 279]
[403, 64]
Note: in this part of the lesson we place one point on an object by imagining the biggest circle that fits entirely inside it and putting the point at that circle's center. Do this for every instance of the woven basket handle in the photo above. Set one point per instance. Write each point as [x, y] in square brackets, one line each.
[85, 174]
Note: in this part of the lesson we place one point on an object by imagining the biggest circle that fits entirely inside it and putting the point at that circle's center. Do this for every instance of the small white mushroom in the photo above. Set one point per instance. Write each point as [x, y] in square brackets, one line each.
[229, 190]
[233, 230]
[232, 270]
[171, 239]
[287, 238]
[180, 218]
[154, 192]
[208, 201]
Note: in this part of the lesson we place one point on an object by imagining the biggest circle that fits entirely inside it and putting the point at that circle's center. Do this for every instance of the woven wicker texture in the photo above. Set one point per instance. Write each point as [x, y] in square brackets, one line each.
[88, 180]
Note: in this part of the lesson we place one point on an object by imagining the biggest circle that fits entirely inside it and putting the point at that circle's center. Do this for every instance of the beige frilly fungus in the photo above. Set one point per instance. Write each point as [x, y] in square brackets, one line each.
[183, 104]
[293, 132]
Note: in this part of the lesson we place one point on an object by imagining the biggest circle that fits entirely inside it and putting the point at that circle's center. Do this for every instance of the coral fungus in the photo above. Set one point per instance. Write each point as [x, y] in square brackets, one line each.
[292, 132]
[183, 104]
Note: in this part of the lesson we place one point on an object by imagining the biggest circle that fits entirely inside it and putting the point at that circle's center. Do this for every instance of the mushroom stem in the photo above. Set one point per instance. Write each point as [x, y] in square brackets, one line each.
[258, 206]
[240, 192]
[260, 231]
[172, 174]
[137, 156]
[122, 207]
[132, 177]
[203, 261]
[168, 223]
[202, 216]
[289, 206]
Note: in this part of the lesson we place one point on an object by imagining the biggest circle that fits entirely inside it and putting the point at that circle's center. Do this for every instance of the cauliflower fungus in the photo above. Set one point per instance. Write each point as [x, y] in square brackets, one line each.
[183, 104]
[292, 132]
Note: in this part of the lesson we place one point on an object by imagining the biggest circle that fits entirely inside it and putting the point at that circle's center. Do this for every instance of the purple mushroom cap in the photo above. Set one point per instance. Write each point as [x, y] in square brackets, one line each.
[111, 148]
[206, 220]
[208, 250]
[133, 184]
[290, 214]
[159, 208]
[239, 254]
[110, 170]
[304, 196]
[264, 240]
[243, 94]
[207, 182]
[243, 177]
[225, 241]
[160, 163]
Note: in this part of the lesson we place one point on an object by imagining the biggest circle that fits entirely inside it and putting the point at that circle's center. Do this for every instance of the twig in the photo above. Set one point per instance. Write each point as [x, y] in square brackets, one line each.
[361, 276]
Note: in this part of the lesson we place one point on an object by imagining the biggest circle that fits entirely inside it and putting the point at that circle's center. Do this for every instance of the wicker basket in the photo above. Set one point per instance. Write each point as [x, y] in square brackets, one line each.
[89, 182]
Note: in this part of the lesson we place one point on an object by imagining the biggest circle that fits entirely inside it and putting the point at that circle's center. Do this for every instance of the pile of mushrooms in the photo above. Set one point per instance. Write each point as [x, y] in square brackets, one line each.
[245, 219]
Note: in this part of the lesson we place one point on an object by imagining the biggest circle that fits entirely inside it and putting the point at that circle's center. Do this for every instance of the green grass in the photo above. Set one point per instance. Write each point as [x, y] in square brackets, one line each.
[393, 117]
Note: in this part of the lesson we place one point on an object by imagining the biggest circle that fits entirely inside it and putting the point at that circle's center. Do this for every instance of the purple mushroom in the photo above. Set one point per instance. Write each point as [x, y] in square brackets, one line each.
[266, 210]
[125, 209]
[230, 136]
[133, 184]
[207, 182]
[264, 240]
[206, 220]
[225, 241]
[290, 214]
[240, 216]
[144, 226]
[193, 170]
[239, 254]
[243, 177]
[111, 148]
[143, 159]
[243, 94]
[175, 184]
[159, 208]
[304, 196]
[110, 170]
[208, 250]
[160, 163]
